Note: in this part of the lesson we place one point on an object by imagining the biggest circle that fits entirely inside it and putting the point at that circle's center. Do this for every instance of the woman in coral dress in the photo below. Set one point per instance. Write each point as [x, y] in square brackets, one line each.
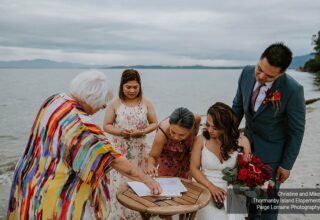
[171, 148]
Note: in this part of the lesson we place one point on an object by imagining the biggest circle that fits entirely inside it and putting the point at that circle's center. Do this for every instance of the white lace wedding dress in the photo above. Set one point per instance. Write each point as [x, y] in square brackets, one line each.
[212, 169]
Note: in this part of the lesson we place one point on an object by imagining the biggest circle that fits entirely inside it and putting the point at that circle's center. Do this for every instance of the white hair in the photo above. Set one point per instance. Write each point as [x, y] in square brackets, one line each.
[91, 87]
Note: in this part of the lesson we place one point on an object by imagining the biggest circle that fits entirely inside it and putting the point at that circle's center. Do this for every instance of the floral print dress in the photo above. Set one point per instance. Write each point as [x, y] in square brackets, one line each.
[134, 149]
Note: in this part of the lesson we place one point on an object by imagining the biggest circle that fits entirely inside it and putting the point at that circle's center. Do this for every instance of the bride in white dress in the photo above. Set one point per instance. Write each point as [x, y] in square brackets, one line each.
[213, 151]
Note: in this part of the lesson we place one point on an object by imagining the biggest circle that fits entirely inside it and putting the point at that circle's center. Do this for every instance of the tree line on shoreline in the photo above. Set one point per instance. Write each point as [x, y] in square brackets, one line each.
[313, 65]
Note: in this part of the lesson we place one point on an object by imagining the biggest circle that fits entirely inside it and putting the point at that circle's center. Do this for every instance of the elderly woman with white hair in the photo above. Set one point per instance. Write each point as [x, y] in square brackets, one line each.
[61, 174]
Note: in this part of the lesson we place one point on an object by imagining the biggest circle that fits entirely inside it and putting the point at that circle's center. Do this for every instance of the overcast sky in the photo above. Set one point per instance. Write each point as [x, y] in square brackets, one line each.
[166, 32]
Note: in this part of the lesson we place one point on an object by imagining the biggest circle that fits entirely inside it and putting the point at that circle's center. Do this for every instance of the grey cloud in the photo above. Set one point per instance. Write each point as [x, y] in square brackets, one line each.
[235, 30]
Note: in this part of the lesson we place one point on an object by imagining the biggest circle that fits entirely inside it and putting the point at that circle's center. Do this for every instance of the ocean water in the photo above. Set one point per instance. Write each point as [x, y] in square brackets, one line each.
[23, 90]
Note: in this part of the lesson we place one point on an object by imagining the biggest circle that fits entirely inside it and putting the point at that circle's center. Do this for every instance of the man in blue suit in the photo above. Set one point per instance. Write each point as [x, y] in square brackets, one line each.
[274, 108]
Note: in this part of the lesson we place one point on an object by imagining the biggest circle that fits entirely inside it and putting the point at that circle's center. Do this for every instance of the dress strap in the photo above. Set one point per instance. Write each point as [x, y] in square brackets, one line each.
[163, 131]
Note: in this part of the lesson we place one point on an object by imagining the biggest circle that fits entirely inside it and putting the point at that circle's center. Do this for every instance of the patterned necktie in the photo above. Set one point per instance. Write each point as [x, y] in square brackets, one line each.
[255, 96]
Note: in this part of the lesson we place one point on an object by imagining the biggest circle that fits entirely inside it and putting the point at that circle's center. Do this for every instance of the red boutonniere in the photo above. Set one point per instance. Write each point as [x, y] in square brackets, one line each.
[273, 97]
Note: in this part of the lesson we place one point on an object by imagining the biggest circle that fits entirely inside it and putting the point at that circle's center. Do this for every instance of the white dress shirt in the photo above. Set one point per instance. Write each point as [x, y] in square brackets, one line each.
[262, 93]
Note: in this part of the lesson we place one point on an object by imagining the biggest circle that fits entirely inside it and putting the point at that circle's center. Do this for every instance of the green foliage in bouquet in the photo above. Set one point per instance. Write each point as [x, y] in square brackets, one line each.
[250, 177]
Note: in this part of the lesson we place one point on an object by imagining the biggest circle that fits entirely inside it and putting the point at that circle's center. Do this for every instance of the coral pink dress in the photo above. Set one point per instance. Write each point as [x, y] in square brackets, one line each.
[175, 156]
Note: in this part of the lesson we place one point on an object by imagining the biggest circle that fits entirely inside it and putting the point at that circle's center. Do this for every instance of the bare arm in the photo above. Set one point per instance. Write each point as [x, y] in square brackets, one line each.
[110, 117]
[123, 166]
[217, 193]
[152, 118]
[197, 122]
[245, 143]
[157, 147]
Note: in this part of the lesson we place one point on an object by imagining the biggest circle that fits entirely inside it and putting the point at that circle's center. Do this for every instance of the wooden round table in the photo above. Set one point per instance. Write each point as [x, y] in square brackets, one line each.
[189, 203]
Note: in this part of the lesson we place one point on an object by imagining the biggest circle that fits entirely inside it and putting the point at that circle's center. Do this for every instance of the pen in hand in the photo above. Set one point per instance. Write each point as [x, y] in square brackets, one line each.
[154, 171]
[162, 199]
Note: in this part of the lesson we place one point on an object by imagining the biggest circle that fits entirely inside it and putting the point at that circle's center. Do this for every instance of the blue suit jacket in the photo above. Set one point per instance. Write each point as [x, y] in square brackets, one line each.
[275, 138]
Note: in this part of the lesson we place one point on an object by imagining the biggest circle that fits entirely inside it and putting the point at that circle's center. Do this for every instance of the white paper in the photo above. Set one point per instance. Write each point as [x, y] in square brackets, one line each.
[170, 187]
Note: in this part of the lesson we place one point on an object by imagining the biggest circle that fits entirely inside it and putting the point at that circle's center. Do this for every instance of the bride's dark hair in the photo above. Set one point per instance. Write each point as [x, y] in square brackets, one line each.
[224, 119]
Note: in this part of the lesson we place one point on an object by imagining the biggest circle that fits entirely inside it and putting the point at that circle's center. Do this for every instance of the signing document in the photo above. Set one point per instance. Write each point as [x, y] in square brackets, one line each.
[170, 187]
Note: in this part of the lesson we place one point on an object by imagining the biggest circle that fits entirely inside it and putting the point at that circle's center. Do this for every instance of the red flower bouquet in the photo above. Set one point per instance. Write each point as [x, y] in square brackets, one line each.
[251, 176]
[273, 97]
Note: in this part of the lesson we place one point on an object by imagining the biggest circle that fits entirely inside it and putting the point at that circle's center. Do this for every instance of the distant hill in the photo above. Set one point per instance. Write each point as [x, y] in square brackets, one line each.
[175, 67]
[49, 64]
[299, 61]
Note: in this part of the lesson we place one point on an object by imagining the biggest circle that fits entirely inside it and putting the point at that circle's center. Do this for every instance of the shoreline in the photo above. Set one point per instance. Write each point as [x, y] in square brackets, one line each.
[305, 173]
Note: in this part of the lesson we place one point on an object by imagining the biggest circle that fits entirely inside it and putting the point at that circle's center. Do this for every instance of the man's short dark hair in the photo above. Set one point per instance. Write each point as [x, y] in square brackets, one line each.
[278, 55]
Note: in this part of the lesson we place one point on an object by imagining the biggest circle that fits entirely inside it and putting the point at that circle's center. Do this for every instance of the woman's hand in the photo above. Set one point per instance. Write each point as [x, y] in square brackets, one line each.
[125, 168]
[218, 194]
[125, 133]
[137, 133]
[153, 185]
[152, 170]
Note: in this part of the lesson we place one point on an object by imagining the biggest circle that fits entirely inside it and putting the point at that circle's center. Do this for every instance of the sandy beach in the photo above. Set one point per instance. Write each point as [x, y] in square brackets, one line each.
[306, 170]
[305, 173]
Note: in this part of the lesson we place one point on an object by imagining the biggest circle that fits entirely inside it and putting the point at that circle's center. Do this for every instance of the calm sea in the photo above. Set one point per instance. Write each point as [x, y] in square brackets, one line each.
[22, 91]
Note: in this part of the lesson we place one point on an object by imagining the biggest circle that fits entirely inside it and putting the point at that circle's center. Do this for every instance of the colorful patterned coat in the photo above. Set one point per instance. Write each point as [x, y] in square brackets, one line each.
[63, 165]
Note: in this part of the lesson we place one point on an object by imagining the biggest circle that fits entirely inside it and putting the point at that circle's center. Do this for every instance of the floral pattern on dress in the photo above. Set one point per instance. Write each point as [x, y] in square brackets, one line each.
[175, 157]
[134, 149]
